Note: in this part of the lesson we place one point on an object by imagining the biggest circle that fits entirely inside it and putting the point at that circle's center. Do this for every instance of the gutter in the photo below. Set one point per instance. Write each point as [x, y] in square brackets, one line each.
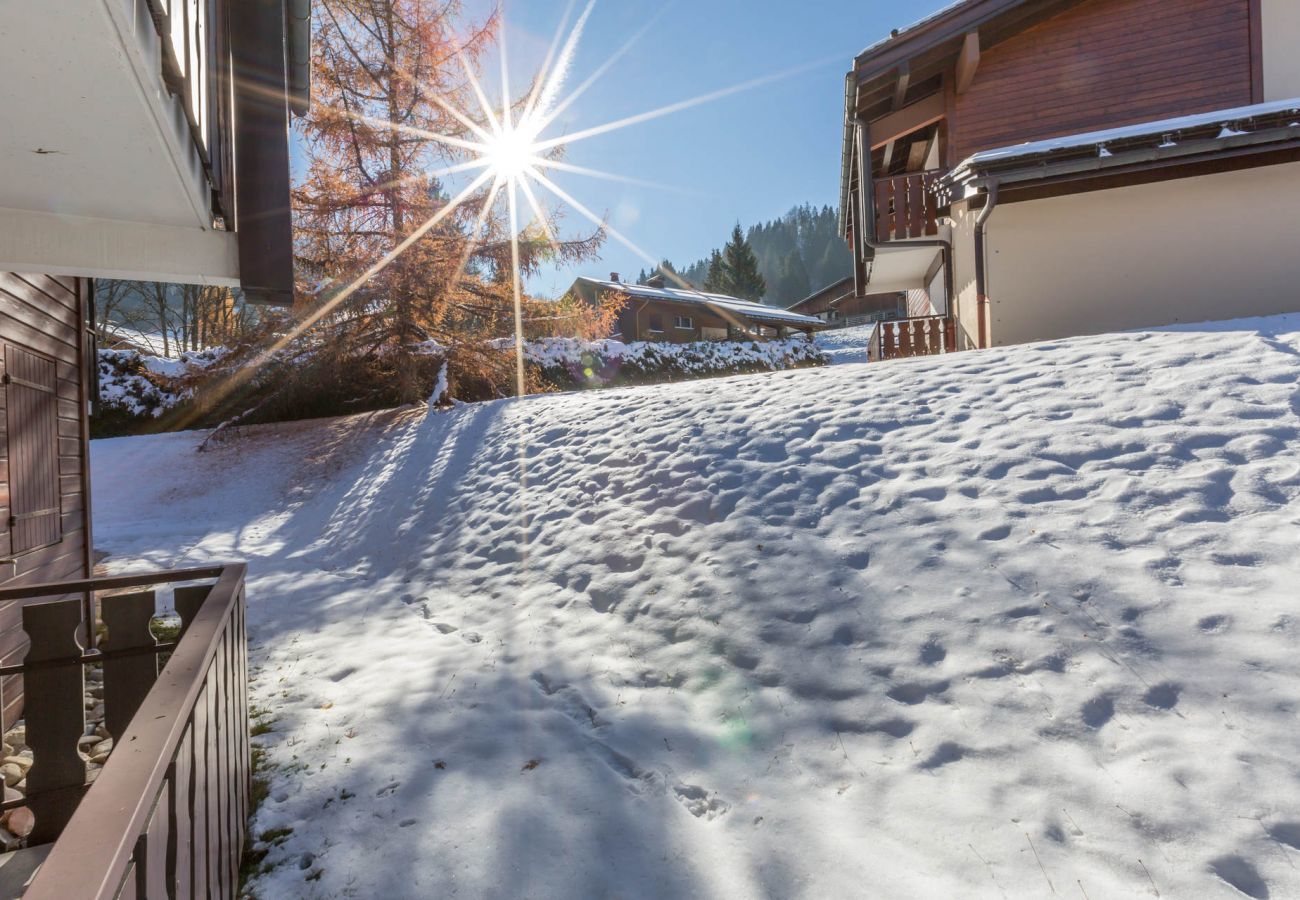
[981, 271]
[298, 44]
[846, 158]
[867, 209]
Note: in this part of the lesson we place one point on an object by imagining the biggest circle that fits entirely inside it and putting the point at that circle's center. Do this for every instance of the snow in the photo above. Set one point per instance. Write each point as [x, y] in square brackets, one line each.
[846, 345]
[1006, 623]
[1145, 129]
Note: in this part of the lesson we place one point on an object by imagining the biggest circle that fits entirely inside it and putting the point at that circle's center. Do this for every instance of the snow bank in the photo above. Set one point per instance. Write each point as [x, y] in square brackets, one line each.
[1013, 623]
[598, 363]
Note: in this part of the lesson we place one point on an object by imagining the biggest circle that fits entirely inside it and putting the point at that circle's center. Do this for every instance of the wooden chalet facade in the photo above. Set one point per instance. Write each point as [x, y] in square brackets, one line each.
[663, 314]
[1046, 168]
[149, 141]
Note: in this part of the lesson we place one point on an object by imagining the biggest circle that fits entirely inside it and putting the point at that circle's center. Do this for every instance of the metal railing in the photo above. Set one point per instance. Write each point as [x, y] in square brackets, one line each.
[166, 815]
[922, 336]
[906, 206]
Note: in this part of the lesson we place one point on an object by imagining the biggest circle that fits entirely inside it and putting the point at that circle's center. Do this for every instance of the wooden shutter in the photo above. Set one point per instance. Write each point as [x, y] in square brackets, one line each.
[32, 410]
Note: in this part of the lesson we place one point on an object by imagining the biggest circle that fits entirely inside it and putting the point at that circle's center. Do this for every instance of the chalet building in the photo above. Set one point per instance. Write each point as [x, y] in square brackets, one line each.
[655, 312]
[1046, 168]
[144, 140]
[839, 306]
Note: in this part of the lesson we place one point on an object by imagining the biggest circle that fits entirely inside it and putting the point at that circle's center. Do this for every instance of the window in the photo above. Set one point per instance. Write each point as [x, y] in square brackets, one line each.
[656, 322]
[32, 420]
[685, 322]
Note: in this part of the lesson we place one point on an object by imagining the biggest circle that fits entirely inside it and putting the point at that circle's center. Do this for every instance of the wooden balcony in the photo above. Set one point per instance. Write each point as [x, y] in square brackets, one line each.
[165, 816]
[906, 206]
[923, 336]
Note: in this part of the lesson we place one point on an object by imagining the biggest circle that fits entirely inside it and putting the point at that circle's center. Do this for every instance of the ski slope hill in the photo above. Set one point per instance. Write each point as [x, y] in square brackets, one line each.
[1014, 623]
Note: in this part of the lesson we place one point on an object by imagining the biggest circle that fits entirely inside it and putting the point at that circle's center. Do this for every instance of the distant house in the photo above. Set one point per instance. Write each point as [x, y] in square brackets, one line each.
[1046, 168]
[838, 306]
[656, 312]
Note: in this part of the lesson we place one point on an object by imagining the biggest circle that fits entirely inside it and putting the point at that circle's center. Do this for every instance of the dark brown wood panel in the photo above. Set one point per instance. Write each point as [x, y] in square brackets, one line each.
[40, 324]
[1104, 64]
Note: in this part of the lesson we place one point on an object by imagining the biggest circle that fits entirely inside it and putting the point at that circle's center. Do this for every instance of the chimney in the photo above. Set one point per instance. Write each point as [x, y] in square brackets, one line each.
[613, 276]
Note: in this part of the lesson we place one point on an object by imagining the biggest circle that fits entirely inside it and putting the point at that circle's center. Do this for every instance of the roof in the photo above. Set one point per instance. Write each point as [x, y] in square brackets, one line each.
[1257, 125]
[747, 309]
[831, 289]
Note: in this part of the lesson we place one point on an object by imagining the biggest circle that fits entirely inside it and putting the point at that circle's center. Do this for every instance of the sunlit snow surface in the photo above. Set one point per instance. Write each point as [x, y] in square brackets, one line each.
[1004, 623]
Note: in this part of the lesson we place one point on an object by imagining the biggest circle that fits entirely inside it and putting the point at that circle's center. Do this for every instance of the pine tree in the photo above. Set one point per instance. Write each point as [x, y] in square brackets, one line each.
[741, 267]
[717, 280]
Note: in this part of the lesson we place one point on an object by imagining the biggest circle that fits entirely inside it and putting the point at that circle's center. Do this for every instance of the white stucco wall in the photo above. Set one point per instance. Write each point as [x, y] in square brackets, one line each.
[1281, 30]
[1189, 250]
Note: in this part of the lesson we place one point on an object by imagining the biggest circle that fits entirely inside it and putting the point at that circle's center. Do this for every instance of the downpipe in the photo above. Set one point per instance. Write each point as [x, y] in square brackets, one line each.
[981, 271]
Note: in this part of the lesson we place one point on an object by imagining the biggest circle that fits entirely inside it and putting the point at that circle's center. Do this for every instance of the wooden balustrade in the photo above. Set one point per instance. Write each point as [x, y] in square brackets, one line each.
[906, 207]
[924, 336]
[165, 817]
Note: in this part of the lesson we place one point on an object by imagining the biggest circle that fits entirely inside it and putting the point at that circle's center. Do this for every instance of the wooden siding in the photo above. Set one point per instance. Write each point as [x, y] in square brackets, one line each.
[41, 320]
[1104, 64]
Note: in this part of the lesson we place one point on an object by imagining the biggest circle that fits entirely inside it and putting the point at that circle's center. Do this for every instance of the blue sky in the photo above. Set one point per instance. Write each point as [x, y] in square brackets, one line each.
[748, 157]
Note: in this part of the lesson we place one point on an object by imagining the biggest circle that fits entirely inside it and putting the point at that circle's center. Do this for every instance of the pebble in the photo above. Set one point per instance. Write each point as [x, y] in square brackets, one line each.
[22, 762]
[21, 821]
[11, 773]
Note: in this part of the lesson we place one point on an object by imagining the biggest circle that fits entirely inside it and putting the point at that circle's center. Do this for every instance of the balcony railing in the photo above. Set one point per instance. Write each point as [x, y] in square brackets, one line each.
[906, 206]
[924, 336]
[165, 816]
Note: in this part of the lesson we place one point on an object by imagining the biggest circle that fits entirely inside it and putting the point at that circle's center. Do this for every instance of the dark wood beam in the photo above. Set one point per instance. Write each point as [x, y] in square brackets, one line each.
[918, 115]
[902, 84]
[890, 147]
[968, 62]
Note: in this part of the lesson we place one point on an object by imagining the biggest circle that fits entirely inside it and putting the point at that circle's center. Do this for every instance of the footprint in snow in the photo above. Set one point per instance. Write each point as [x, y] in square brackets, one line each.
[1163, 696]
[1098, 711]
[698, 802]
[1240, 874]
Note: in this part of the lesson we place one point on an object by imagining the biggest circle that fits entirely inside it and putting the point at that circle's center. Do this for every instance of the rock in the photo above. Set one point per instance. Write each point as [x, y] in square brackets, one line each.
[22, 762]
[95, 675]
[17, 736]
[9, 841]
[21, 821]
[11, 773]
[12, 794]
[7, 749]
[86, 741]
[102, 731]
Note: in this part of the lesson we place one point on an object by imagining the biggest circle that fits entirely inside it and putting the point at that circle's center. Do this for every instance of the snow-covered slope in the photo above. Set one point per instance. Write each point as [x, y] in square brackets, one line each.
[1014, 623]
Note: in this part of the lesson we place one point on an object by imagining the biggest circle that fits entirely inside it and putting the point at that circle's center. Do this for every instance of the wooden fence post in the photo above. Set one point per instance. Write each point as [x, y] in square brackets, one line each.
[55, 713]
[127, 679]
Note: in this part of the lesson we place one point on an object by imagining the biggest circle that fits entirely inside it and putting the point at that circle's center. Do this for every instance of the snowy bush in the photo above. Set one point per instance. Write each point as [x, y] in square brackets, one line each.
[568, 363]
[132, 384]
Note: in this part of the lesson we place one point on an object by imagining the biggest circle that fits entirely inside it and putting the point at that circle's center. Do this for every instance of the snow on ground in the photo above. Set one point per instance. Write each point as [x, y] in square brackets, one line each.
[1013, 623]
[846, 345]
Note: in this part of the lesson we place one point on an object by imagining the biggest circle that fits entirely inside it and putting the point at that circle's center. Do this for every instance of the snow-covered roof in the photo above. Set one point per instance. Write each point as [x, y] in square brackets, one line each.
[745, 308]
[901, 33]
[1225, 118]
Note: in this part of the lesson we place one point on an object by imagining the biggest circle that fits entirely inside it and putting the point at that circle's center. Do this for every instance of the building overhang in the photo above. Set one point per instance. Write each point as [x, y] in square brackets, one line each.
[119, 132]
[1261, 134]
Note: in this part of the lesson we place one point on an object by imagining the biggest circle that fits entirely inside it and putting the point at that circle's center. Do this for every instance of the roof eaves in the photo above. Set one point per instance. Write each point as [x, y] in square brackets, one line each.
[1242, 128]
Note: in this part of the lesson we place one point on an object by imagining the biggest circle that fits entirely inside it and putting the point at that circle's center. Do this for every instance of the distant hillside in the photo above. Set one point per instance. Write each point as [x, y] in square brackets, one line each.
[798, 253]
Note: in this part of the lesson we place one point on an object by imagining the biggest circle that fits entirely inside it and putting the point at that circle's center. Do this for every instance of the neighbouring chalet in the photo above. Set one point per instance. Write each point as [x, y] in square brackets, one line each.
[656, 312]
[144, 140]
[839, 306]
[1046, 168]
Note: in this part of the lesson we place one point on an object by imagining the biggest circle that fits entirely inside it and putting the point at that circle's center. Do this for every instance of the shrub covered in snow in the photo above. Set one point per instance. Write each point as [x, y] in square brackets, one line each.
[303, 381]
[132, 384]
[570, 363]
